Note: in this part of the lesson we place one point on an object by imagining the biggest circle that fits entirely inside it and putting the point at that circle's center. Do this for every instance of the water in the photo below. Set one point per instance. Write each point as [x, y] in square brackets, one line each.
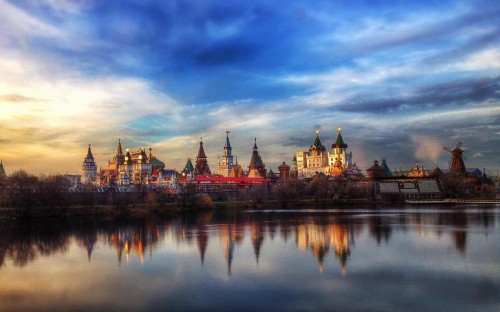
[424, 259]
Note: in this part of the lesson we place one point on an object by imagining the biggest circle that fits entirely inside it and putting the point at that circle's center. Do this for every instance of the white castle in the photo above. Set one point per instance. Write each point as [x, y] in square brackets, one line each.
[306, 164]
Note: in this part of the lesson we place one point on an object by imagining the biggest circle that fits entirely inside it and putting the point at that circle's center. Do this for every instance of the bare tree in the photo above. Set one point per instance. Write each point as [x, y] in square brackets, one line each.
[186, 195]
[23, 192]
[319, 188]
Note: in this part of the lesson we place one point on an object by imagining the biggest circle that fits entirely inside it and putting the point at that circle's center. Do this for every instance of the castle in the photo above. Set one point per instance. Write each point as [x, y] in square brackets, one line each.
[306, 164]
[125, 169]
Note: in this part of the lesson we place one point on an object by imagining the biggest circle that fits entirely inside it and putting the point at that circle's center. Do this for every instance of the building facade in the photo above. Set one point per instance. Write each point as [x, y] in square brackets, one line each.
[306, 164]
[136, 167]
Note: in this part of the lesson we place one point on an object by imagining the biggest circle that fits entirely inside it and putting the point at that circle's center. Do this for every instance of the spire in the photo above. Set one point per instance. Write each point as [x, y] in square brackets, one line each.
[228, 145]
[89, 154]
[150, 152]
[256, 167]
[317, 144]
[201, 161]
[2, 171]
[340, 142]
[201, 151]
[189, 166]
[119, 151]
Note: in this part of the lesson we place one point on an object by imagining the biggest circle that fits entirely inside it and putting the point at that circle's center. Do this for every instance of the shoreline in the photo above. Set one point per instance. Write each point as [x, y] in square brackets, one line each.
[140, 210]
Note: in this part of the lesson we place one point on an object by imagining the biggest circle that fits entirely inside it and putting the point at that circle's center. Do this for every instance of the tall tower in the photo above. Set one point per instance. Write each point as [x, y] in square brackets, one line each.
[257, 167]
[89, 168]
[119, 154]
[2, 171]
[340, 152]
[226, 161]
[201, 166]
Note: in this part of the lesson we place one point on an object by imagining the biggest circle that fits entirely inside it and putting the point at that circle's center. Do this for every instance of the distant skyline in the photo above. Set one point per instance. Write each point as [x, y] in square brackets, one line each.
[402, 79]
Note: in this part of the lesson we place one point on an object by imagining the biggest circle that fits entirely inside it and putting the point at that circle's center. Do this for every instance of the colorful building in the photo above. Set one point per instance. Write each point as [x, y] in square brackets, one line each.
[306, 164]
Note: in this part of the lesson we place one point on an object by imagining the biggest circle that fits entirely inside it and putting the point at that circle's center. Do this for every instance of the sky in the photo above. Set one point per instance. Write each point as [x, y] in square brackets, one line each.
[401, 78]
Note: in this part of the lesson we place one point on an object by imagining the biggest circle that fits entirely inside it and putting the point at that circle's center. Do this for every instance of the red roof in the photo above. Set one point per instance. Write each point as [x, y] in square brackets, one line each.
[229, 180]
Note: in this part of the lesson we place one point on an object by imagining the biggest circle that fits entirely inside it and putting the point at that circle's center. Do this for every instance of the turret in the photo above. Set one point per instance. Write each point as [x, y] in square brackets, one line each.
[256, 167]
[226, 161]
[201, 167]
[89, 167]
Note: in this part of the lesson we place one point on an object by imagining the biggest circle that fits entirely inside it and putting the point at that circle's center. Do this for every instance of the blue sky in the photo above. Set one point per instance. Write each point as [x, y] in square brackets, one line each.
[401, 78]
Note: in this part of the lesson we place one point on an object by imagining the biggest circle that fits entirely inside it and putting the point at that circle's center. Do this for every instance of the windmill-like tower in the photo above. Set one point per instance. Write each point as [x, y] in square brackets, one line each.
[457, 160]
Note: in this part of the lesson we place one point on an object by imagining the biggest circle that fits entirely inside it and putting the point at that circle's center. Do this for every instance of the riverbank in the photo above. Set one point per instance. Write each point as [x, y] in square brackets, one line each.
[138, 210]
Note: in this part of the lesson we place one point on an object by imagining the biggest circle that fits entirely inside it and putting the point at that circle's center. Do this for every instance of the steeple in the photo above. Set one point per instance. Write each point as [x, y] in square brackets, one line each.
[189, 166]
[227, 146]
[201, 151]
[256, 163]
[317, 146]
[119, 151]
[339, 143]
[226, 161]
[89, 168]
[2, 171]
[119, 157]
[201, 161]
[89, 155]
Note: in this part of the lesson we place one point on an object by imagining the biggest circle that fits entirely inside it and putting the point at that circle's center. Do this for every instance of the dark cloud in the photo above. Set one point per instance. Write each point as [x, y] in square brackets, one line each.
[437, 31]
[454, 93]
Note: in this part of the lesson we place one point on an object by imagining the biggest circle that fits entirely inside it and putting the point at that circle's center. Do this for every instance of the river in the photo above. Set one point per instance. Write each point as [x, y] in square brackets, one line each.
[385, 259]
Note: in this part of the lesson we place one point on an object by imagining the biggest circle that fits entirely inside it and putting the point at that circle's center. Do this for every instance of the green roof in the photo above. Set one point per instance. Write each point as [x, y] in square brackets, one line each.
[386, 168]
[317, 143]
[189, 166]
[340, 142]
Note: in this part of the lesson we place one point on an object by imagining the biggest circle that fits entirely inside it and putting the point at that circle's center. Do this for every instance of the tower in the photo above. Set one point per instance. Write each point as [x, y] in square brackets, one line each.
[226, 161]
[284, 171]
[2, 171]
[119, 154]
[201, 166]
[340, 152]
[89, 168]
[256, 167]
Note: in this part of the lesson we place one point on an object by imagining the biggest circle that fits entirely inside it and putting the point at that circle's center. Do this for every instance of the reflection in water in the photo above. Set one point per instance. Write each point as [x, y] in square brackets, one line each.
[289, 260]
[318, 232]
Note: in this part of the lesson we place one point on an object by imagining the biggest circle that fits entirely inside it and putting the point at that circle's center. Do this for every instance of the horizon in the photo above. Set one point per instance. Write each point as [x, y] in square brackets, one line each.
[402, 80]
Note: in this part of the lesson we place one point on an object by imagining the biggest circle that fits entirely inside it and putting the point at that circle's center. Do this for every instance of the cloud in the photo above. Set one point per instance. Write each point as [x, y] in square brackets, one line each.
[453, 93]
[478, 155]
[427, 148]
[17, 98]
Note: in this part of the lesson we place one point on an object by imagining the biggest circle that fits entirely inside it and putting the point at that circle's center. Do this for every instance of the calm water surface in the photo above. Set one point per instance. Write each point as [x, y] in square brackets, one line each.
[424, 259]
